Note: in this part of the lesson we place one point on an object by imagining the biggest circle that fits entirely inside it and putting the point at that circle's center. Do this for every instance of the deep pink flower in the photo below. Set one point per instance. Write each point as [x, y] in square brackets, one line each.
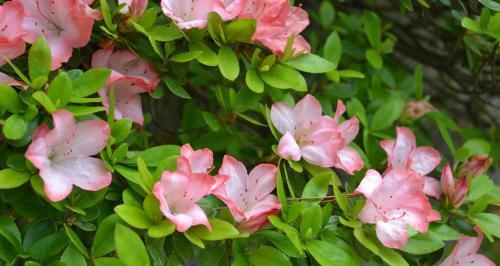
[416, 109]
[66, 24]
[178, 193]
[130, 77]
[194, 13]
[63, 155]
[476, 165]
[133, 7]
[276, 22]
[456, 193]
[465, 252]
[248, 195]
[403, 153]
[12, 44]
[320, 140]
[394, 202]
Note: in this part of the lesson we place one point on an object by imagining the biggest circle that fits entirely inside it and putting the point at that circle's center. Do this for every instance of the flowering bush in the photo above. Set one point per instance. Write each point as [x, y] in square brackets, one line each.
[218, 132]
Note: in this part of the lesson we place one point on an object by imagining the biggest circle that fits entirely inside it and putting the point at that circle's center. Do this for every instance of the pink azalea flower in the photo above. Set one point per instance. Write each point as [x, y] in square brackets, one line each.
[456, 193]
[12, 44]
[476, 165]
[5, 79]
[320, 140]
[66, 24]
[199, 162]
[178, 193]
[465, 252]
[194, 13]
[130, 77]
[394, 202]
[248, 195]
[416, 109]
[63, 155]
[276, 22]
[403, 153]
[133, 7]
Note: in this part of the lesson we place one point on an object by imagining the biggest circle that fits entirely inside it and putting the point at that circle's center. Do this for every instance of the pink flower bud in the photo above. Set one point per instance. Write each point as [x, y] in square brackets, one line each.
[475, 166]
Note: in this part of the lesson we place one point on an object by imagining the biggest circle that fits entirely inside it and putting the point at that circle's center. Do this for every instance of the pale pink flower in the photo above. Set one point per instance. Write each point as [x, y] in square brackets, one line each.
[194, 13]
[179, 191]
[12, 44]
[63, 155]
[416, 109]
[5, 79]
[476, 165]
[465, 252]
[133, 7]
[403, 153]
[455, 193]
[130, 77]
[393, 203]
[277, 21]
[66, 24]
[248, 195]
[318, 139]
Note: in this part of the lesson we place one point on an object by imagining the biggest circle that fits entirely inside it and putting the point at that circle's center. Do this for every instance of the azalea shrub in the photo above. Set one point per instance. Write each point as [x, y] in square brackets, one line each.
[239, 132]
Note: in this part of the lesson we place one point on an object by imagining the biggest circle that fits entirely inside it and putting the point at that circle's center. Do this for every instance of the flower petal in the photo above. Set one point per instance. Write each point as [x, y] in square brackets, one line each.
[200, 161]
[447, 181]
[405, 144]
[261, 181]
[86, 173]
[424, 160]
[370, 183]
[288, 148]
[349, 129]
[431, 187]
[283, 118]
[349, 160]
[57, 185]
[392, 234]
[307, 111]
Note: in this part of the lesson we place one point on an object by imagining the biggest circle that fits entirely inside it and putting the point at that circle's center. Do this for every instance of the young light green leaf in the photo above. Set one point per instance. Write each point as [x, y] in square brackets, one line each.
[39, 59]
[129, 247]
[228, 63]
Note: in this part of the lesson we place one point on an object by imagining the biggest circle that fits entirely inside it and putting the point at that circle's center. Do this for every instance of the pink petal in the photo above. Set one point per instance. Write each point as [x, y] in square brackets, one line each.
[87, 173]
[460, 192]
[369, 214]
[431, 187]
[60, 50]
[288, 148]
[307, 111]
[424, 160]
[101, 57]
[321, 154]
[257, 217]
[191, 216]
[370, 183]
[64, 129]
[349, 129]
[5, 79]
[188, 14]
[405, 144]
[229, 9]
[90, 138]
[261, 181]
[392, 234]
[349, 160]
[283, 118]
[40, 132]
[57, 185]
[468, 245]
[339, 112]
[200, 160]
[38, 152]
[12, 44]
[447, 181]
[237, 175]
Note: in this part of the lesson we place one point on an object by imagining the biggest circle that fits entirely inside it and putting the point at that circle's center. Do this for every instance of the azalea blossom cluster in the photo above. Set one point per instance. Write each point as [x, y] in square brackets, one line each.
[277, 21]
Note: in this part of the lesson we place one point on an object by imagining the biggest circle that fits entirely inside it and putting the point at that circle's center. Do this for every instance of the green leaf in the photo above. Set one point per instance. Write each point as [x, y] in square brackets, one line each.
[44, 100]
[317, 187]
[283, 77]
[121, 130]
[14, 127]
[333, 47]
[357, 109]
[374, 58]
[220, 230]
[330, 254]
[477, 146]
[104, 238]
[351, 74]
[207, 57]
[161, 230]
[84, 110]
[176, 88]
[90, 82]
[129, 247]
[326, 13]
[9, 230]
[165, 34]
[254, 82]
[471, 25]
[420, 244]
[387, 114]
[291, 232]
[390, 256]
[373, 28]
[311, 63]
[9, 99]
[107, 261]
[282, 243]
[133, 216]
[212, 121]
[60, 89]
[489, 222]
[228, 63]
[106, 15]
[10, 178]
[186, 56]
[194, 239]
[266, 255]
[240, 30]
[443, 232]
[480, 186]
[216, 28]
[311, 222]
[491, 4]
[39, 59]
[71, 256]
[73, 237]
[154, 156]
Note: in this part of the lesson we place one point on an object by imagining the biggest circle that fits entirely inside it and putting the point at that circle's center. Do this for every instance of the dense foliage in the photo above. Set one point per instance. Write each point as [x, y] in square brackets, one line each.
[249, 132]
